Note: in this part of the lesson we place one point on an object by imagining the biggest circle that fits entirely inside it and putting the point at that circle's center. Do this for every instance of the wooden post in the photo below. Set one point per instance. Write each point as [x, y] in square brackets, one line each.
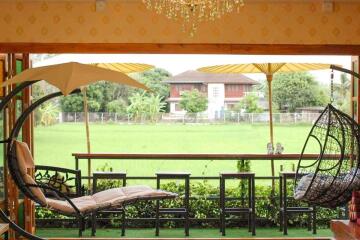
[29, 206]
[88, 145]
[269, 78]
[12, 193]
[355, 94]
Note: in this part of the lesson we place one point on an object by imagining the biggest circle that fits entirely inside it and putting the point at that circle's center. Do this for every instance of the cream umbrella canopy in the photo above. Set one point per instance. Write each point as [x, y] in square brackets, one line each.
[269, 69]
[125, 67]
[68, 77]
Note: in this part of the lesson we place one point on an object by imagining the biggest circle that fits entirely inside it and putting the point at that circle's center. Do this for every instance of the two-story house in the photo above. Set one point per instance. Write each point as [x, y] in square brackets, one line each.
[222, 90]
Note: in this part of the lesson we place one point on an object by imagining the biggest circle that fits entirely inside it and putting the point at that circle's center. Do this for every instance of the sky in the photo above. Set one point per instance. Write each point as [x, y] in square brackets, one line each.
[178, 63]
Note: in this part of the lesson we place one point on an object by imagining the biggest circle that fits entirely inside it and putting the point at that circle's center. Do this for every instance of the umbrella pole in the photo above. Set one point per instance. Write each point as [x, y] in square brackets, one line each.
[86, 116]
[269, 79]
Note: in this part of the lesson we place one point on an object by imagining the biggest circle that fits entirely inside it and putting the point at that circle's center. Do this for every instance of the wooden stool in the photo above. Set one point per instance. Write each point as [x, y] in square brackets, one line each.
[183, 211]
[250, 209]
[108, 176]
[285, 210]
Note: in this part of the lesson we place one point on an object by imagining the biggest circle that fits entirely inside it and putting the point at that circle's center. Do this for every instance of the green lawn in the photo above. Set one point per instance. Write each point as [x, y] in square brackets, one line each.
[178, 233]
[54, 145]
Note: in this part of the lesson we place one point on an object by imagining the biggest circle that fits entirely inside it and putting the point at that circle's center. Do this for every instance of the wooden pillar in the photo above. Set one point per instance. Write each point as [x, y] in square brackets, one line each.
[355, 89]
[269, 78]
[27, 130]
[12, 193]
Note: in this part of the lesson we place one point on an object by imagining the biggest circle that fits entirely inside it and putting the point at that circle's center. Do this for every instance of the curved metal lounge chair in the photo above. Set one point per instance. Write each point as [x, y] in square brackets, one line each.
[19, 160]
[80, 207]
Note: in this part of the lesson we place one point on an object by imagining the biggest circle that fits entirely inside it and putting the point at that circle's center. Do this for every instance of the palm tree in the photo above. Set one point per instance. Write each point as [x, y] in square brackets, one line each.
[155, 106]
[49, 113]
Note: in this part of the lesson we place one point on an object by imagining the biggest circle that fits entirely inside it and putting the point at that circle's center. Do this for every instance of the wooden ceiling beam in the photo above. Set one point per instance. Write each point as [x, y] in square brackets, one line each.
[177, 48]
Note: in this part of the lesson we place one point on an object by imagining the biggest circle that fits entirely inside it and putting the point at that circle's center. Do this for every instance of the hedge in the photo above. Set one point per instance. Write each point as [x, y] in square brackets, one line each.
[203, 205]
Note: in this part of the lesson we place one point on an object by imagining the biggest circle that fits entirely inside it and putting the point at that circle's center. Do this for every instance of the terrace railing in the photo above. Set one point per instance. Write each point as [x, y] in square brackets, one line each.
[190, 157]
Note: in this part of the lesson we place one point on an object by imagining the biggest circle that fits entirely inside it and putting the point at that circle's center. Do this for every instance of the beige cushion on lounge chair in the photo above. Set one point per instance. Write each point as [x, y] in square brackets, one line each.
[35, 190]
[25, 159]
[84, 204]
[111, 198]
[115, 197]
[25, 162]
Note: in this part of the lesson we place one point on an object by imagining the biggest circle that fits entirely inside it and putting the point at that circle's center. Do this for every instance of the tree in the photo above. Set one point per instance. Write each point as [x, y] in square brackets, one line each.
[137, 105]
[293, 90]
[98, 95]
[117, 106]
[49, 113]
[193, 101]
[250, 104]
[155, 105]
[153, 79]
[72, 103]
[145, 106]
[342, 93]
[102, 93]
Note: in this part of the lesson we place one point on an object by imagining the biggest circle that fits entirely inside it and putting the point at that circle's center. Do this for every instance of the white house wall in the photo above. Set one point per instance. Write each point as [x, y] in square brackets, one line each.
[216, 97]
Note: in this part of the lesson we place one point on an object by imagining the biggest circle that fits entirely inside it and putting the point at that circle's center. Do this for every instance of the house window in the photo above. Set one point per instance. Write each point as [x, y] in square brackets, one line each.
[178, 107]
[230, 106]
[216, 92]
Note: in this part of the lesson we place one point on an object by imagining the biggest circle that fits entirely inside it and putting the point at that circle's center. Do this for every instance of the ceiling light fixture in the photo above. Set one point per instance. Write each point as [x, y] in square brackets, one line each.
[193, 12]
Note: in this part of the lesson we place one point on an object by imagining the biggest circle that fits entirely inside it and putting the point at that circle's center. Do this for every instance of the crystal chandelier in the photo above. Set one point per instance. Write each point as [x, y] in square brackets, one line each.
[193, 12]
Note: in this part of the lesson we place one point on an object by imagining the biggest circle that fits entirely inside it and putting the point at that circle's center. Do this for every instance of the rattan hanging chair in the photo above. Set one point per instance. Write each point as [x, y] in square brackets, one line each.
[329, 180]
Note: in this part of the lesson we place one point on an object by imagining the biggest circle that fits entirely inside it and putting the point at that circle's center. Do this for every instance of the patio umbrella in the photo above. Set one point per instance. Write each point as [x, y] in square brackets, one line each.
[119, 67]
[269, 69]
[70, 76]
[125, 67]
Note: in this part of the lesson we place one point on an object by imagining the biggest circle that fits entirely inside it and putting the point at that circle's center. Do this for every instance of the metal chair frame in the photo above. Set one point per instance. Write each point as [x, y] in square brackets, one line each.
[285, 210]
[249, 210]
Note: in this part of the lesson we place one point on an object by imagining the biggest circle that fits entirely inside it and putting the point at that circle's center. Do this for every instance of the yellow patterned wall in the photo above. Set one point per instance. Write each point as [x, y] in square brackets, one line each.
[130, 22]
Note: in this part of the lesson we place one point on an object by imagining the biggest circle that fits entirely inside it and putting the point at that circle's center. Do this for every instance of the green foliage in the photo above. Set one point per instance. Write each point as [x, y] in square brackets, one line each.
[155, 105]
[250, 104]
[105, 96]
[137, 105]
[143, 106]
[153, 79]
[117, 106]
[97, 97]
[50, 108]
[72, 103]
[293, 90]
[193, 101]
[342, 93]
[206, 205]
[104, 184]
[48, 114]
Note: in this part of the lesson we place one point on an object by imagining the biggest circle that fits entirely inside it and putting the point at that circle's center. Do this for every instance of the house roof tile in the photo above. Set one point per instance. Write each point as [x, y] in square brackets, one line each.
[192, 76]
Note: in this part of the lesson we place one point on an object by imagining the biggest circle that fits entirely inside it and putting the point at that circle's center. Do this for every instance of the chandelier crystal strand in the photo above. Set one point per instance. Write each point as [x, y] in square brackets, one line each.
[193, 12]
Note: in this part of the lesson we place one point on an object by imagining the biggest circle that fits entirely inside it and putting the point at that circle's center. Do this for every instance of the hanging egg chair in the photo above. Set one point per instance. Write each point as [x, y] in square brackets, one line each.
[329, 180]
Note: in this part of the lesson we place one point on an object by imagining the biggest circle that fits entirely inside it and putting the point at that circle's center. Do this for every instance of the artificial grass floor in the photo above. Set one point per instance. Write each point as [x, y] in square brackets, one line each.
[179, 232]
